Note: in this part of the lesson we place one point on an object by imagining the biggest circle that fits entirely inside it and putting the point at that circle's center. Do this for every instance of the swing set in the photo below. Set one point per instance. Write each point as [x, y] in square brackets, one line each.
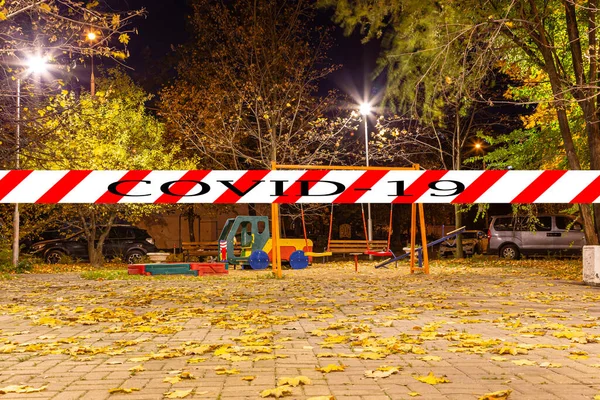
[351, 246]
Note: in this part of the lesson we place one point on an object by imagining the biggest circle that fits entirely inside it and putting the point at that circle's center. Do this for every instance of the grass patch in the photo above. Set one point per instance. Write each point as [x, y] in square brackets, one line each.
[69, 268]
[6, 277]
[108, 275]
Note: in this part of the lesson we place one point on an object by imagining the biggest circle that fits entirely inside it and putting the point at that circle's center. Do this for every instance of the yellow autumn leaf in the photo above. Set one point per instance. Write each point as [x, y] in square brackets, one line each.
[550, 365]
[45, 7]
[414, 394]
[523, 362]
[249, 378]
[123, 390]
[225, 371]
[499, 395]
[431, 379]
[196, 360]
[331, 368]
[299, 380]
[124, 38]
[277, 392]
[178, 394]
[381, 372]
[136, 369]
[21, 389]
[172, 379]
[369, 355]
[499, 358]
[430, 358]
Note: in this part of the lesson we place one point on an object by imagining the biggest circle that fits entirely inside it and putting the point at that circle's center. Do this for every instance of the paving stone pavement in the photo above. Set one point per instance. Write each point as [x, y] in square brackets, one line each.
[483, 329]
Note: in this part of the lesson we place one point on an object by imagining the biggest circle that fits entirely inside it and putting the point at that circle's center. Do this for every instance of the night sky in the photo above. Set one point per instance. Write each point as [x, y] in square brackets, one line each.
[164, 28]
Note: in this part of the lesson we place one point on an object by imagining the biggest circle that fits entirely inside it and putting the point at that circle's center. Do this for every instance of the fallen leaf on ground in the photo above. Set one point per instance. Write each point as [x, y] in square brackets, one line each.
[431, 379]
[278, 392]
[523, 362]
[172, 379]
[381, 373]
[550, 365]
[414, 394]
[136, 369]
[430, 358]
[123, 390]
[248, 378]
[178, 394]
[331, 368]
[21, 389]
[499, 395]
[225, 371]
[299, 380]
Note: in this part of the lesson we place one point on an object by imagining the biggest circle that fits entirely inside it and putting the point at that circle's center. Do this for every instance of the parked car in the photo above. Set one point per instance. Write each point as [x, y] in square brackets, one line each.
[474, 242]
[125, 241]
[512, 236]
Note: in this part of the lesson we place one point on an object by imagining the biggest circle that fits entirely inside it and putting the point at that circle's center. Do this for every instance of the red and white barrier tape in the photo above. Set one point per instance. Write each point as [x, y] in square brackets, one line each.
[291, 186]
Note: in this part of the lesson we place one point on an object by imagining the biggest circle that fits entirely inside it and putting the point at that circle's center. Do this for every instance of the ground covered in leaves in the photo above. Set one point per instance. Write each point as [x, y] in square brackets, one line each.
[476, 329]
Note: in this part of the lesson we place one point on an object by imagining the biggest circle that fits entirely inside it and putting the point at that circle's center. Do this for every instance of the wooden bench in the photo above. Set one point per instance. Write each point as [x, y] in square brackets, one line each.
[201, 249]
[357, 248]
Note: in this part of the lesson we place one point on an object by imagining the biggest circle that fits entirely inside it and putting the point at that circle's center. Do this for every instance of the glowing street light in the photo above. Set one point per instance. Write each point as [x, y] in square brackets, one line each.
[91, 36]
[36, 65]
[365, 109]
[479, 148]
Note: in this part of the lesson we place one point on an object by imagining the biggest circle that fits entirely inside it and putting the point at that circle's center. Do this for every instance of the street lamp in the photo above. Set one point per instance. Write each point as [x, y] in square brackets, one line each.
[36, 65]
[365, 110]
[91, 36]
[478, 148]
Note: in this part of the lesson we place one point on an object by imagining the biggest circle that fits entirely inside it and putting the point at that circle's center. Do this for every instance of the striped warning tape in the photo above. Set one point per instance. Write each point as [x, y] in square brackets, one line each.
[312, 186]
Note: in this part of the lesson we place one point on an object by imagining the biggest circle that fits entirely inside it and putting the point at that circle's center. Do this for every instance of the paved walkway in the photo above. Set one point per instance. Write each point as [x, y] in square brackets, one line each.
[482, 329]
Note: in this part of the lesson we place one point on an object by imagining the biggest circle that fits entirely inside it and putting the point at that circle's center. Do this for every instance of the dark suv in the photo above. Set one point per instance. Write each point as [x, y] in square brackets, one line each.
[125, 241]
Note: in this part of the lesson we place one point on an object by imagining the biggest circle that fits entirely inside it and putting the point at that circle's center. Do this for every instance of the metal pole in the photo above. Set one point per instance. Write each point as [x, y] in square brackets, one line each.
[369, 221]
[16, 216]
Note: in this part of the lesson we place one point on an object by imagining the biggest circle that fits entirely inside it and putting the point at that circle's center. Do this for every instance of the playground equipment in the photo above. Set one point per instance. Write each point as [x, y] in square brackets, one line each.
[195, 269]
[276, 240]
[450, 235]
[252, 235]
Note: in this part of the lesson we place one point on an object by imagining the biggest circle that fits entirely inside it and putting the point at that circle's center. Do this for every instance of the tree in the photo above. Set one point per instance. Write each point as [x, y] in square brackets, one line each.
[246, 89]
[111, 130]
[557, 37]
[434, 75]
[55, 30]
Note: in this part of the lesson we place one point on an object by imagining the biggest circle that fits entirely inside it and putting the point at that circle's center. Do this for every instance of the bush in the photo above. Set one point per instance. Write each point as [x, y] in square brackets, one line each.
[26, 262]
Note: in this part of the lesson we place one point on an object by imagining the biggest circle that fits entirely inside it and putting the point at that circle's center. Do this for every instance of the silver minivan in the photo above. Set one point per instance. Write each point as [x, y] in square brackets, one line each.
[512, 236]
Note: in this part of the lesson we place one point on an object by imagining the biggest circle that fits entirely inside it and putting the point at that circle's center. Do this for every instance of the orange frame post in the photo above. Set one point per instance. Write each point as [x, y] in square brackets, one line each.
[413, 223]
[276, 249]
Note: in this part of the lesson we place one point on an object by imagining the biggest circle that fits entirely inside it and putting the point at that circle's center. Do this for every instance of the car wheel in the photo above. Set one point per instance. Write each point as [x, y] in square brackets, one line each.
[134, 256]
[54, 256]
[510, 252]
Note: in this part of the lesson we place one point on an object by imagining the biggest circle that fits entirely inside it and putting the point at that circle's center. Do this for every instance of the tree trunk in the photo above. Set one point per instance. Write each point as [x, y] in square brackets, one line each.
[95, 253]
[457, 225]
[565, 130]
[191, 218]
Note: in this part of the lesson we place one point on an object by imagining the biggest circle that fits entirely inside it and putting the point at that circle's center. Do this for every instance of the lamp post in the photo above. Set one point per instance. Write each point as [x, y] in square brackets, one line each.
[479, 147]
[365, 110]
[35, 66]
[91, 36]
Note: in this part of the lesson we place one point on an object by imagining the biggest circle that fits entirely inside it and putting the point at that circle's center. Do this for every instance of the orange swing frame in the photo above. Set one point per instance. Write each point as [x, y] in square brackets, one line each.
[276, 234]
